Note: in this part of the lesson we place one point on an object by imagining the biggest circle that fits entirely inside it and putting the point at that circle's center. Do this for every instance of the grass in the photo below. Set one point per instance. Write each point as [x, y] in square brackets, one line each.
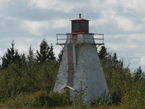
[111, 107]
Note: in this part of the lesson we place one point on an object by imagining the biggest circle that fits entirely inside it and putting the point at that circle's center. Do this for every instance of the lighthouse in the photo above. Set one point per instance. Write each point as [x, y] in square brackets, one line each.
[80, 62]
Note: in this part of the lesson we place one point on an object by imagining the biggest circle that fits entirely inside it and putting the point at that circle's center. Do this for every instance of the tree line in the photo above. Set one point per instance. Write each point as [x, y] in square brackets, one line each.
[33, 77]
[126, 88]
[45, 54]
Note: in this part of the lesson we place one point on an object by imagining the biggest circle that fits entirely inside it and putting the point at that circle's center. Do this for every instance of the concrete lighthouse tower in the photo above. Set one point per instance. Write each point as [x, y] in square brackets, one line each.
[80, 61]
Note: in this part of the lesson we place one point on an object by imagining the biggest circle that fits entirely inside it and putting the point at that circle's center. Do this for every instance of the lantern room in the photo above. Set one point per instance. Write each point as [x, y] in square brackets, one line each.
[80, 25]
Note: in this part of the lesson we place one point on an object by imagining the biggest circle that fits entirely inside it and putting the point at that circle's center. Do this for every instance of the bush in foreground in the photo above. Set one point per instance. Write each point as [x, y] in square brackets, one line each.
[37, 99]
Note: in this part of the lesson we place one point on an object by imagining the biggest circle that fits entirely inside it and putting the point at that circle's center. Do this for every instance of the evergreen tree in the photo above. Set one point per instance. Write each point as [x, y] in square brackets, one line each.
[60, 56]
[23, 58]
[46, 52]
[0, 67]
[51, 53]
[31, 54]
[11, 56]
[115, 62]
[116, 76]
[114, 58]
[138, 74]
[102, 53]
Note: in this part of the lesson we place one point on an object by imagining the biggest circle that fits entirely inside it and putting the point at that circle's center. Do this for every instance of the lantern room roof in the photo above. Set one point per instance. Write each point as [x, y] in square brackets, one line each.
[79, 18]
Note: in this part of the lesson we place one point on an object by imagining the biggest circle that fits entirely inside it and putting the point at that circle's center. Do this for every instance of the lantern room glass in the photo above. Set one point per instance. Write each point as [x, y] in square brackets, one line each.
[76, 26]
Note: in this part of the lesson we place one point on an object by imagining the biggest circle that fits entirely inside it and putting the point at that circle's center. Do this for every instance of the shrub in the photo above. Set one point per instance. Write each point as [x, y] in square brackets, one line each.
[42, 99]
[102, 101]
[37, 99]
[53, 99]
[60, 99]
[78, 101]
[134, 96]
[21, 100]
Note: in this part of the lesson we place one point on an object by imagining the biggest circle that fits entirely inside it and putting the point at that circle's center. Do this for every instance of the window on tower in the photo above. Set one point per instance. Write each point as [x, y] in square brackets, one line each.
[87, 27]
[76, 26]
[83, 25]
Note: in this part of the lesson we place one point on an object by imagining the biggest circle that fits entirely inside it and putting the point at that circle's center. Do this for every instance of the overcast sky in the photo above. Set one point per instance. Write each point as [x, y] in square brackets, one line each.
[122, 22]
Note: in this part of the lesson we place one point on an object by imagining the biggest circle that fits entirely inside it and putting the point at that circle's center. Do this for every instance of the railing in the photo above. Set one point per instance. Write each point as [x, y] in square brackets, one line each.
[98, 38]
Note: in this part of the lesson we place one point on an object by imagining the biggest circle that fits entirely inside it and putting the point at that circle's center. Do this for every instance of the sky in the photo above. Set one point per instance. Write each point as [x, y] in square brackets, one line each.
[122, 22]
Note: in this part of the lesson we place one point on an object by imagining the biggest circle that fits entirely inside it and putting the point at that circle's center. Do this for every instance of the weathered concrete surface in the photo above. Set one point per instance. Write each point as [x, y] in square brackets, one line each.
[87, 70]
[81, 38]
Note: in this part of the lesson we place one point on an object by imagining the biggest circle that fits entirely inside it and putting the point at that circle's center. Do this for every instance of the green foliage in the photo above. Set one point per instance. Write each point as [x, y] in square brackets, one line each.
[78, 100]
[33, 78]
[60, 56]
[125, 89]
[102, 53]
[41, 99]
[37, 99]
[102, 101]
[11, 56]
[116, 76]
[31, 55]
[0, 67]
[60, 99]
[134, 95]
[46, 52]
[26, 83]
[51, 53]
[138, 75]
[12, 82]
[21, 100]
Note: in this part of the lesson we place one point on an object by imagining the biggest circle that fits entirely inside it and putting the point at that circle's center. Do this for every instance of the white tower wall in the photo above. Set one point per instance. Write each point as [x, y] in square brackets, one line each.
[87, 68]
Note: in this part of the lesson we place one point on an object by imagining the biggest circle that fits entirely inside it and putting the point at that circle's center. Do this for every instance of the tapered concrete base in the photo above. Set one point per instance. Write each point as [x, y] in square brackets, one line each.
[87, 69]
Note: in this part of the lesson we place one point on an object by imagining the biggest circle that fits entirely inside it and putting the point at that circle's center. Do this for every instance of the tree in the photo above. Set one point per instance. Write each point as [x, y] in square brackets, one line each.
[0, 67]
[46, 52]
[102, 53]
[138, 74]
[60, 56]
[116, 75]
[30, 56]
[51, 53]
[23, 59]
[11, 56]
